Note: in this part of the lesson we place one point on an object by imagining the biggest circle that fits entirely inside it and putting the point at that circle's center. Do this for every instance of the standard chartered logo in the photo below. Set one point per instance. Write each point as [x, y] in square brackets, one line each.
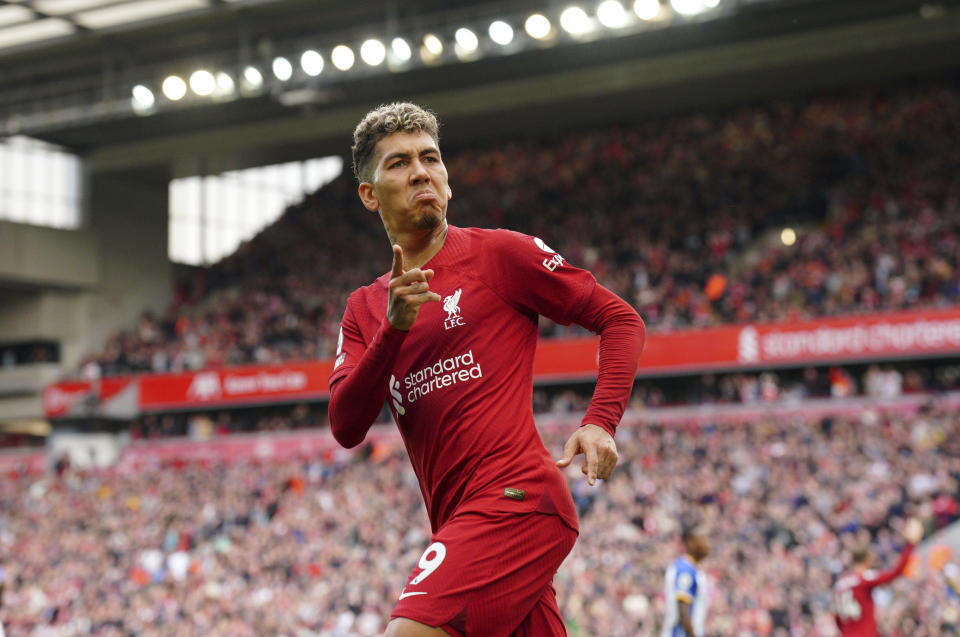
[444, 373]
[397, 398]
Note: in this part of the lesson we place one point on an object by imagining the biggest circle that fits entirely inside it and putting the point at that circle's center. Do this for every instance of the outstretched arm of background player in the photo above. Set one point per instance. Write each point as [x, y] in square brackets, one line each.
[912, 533]
[356, 399]
[622, 335]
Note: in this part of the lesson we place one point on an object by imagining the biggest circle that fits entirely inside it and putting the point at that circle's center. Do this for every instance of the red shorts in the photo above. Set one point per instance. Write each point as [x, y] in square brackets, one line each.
[490, 575]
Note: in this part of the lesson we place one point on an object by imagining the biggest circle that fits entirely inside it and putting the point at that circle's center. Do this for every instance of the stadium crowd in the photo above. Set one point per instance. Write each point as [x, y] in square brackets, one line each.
[322, 546]
[783, 386]
[680, 216]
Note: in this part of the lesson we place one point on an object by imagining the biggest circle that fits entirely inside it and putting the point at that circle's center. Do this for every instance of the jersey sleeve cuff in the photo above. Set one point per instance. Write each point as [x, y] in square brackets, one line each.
[588, 420]
[683, 597]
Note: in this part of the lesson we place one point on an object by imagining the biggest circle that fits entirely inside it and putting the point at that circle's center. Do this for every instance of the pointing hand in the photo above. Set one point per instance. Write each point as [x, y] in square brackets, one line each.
[409, 289]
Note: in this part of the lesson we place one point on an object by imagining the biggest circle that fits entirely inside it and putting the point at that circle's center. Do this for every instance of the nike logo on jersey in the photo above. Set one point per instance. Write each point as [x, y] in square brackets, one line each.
[402, 595]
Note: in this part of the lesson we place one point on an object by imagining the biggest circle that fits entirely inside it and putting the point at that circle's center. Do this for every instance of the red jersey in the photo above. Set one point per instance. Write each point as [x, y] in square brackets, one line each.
[853, 598]
[460, 381]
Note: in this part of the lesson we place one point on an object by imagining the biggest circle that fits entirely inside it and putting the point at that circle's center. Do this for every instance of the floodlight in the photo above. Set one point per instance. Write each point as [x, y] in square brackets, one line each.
[252, 78]
[467, 40]
[373, 52]
[611, 14]
[501, 32]
[574, 21]
[401, 49]
[174, 88]
[342, 57]
[311, 62]
[282, 69]
[143, 98]
[225, 86]
[202, 82]
[537, 26]
[646, 9]
[433, 44]
[688, 7]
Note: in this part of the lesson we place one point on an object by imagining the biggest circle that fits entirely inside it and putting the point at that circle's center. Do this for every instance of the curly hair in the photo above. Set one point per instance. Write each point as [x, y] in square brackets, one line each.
[399, 117]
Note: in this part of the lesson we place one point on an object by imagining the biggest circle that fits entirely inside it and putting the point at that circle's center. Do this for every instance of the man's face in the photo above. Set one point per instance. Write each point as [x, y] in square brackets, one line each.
[408, 183]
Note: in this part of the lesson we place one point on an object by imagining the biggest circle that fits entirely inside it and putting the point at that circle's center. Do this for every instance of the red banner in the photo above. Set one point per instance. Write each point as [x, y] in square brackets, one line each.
[86, 398]
[832, 340]
[236, 386]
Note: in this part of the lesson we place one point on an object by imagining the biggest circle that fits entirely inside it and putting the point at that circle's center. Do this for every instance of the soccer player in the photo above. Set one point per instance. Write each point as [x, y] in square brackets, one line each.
[447, 337]
[951, 573]
[686, 587]
[853, 592]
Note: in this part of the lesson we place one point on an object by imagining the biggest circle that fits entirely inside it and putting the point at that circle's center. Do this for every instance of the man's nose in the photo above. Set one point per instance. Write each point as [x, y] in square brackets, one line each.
[418, 172]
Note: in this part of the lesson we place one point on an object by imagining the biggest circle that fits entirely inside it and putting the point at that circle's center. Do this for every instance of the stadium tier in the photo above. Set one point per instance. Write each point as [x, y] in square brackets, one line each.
[290, 534]
[689, 218]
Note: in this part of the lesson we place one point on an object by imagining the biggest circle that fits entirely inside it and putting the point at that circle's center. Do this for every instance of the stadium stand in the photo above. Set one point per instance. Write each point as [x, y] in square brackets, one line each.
[320, 544]
[674, 215]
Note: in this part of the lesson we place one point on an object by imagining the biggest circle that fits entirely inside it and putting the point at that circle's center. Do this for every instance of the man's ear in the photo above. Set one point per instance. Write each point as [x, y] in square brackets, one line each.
[368, 196]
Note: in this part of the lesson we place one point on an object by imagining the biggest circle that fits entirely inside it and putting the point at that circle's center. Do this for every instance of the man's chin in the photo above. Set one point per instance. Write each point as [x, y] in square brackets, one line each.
[430, 220]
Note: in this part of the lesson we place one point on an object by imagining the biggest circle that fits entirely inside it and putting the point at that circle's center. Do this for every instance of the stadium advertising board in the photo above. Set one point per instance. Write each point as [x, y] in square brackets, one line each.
[832, 340]
[236, 386]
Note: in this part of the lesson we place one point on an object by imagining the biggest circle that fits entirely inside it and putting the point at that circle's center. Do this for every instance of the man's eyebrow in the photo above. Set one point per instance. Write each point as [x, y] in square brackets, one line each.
[399, 154]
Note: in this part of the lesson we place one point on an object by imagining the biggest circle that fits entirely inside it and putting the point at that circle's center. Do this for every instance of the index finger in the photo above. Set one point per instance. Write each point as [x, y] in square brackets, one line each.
[592, 462]
[397, 268]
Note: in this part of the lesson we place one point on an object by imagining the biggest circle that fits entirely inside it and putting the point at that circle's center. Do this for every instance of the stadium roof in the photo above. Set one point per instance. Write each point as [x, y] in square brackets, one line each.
[74, 89]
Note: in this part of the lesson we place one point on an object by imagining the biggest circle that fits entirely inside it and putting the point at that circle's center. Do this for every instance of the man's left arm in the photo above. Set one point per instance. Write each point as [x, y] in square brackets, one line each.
[622, 335]
[534, 279]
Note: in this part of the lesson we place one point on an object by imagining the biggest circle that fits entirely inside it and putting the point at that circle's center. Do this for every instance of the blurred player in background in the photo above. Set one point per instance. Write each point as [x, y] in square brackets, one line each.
[853, 592]
[458, 377]
[951, 573]
[686, 587]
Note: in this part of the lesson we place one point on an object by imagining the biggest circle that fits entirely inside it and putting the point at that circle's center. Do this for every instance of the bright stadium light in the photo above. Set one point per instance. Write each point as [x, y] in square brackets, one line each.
[174, 88]
[501, 32]
[574, 21]
[282, 69]
[711, 4]
[433, 44]
[537, 26]
[788, 236]
[401, 49]
[611, 14]
[225, 85]
[342, 57]
[143, 98]
[467, 40]
[646, 9]
[252, 78]
[373, 52]
[688, 7]
[203, 83]
[311, 62]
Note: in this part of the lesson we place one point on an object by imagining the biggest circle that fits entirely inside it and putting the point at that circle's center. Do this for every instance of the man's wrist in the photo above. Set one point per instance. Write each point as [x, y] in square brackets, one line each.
[610, 429]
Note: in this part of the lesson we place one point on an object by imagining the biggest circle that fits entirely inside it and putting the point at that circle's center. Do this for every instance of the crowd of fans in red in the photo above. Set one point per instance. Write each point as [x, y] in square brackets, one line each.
[680, 216]
[322, 546]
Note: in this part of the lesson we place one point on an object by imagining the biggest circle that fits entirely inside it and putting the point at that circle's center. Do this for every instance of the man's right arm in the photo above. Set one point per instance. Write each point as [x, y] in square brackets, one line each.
[683, 612]
[359, 388]
[357, 397]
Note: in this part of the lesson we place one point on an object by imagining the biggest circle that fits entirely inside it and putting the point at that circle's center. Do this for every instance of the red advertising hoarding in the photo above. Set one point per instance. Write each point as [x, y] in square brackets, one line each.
[840, 340]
